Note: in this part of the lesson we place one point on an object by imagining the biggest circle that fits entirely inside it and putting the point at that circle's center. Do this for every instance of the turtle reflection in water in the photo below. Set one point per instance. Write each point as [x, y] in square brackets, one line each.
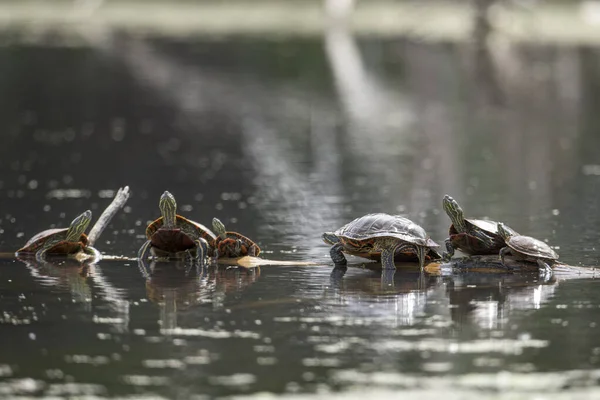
[61, 241]
[382, 237]
[172, 234]
[471, 236]
[527, 248]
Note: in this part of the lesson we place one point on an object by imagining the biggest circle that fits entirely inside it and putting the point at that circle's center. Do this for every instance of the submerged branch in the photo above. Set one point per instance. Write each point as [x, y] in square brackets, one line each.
[108, 214]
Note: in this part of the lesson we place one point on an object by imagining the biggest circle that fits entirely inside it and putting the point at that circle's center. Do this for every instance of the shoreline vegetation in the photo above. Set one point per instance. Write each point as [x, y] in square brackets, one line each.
[543, 23]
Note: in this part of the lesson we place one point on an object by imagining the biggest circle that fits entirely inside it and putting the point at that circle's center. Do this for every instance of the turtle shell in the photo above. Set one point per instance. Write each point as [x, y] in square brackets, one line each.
[58, 235]
[359, 236]
[531, 247]
[184, 224]
[227, 247]
[469, 244]
[179, 238]
[380, 225]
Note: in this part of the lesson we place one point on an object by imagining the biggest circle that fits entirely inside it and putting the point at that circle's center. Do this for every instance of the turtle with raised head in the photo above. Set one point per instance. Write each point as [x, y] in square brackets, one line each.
[171, 234]
[232, 244]
[61, 241]
[471, 236]
[382, 237]
[526, 248]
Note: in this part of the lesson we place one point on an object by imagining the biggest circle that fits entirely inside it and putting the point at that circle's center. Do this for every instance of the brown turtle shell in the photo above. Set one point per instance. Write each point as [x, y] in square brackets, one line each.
[177, 239]
[469, 244]
[359, 236]
[61, 247]
[226, 247]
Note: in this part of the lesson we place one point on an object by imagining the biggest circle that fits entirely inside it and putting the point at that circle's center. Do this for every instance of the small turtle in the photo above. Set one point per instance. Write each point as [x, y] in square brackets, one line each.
[382, 237]
[172, 234]
[526, 248]
[232, 244]
[471, 236]
[61, 241]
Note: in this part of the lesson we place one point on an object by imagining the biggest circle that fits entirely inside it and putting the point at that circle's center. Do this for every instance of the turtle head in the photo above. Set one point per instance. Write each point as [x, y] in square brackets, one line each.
[503, 231]
[219, 228]
[168, 208]
[330, 238]
[78, 226]
[455, 212]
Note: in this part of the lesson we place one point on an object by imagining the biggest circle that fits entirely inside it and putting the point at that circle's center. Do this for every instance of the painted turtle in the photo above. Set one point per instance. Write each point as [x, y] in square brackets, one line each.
[526, 248]
[171, 233]
[61, 241]
[382, 237]
[232, 244]
[471, 236]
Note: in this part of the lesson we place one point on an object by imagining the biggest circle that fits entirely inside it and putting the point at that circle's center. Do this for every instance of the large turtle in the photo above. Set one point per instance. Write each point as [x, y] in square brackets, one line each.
[232, 244]
[471, 236]
[382, 237]
[526, 248]
[61, 241]
[172, 234]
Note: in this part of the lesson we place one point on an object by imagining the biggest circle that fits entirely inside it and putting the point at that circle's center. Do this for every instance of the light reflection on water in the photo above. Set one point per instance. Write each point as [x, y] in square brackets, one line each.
[283, 154]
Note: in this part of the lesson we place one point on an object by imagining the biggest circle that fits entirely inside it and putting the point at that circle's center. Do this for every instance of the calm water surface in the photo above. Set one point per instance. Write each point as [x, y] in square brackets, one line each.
[283, 140]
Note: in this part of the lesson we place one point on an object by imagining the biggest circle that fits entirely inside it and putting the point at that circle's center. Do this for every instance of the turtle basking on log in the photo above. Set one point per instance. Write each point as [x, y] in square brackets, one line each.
[73, 240]
[382, 237]
[471, 236]
[171, 234]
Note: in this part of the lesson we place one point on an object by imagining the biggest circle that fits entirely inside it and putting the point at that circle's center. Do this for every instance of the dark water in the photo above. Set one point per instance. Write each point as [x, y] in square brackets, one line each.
[283, 140]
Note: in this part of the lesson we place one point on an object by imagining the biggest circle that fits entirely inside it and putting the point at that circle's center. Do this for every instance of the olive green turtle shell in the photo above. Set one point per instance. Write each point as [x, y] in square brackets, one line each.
[58, 236]
[380, 225]
[531, 247]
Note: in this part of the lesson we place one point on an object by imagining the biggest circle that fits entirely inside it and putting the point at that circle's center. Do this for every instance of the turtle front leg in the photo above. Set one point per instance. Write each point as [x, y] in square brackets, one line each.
[201, 250]
[387, 258]
[337, 255]
[144, 251]
[503, 252]
[450, 250]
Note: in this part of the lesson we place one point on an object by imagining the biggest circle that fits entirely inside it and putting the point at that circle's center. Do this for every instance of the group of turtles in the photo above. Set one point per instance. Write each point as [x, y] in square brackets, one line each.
[171, 235]
[383, 237]
[391, 238]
